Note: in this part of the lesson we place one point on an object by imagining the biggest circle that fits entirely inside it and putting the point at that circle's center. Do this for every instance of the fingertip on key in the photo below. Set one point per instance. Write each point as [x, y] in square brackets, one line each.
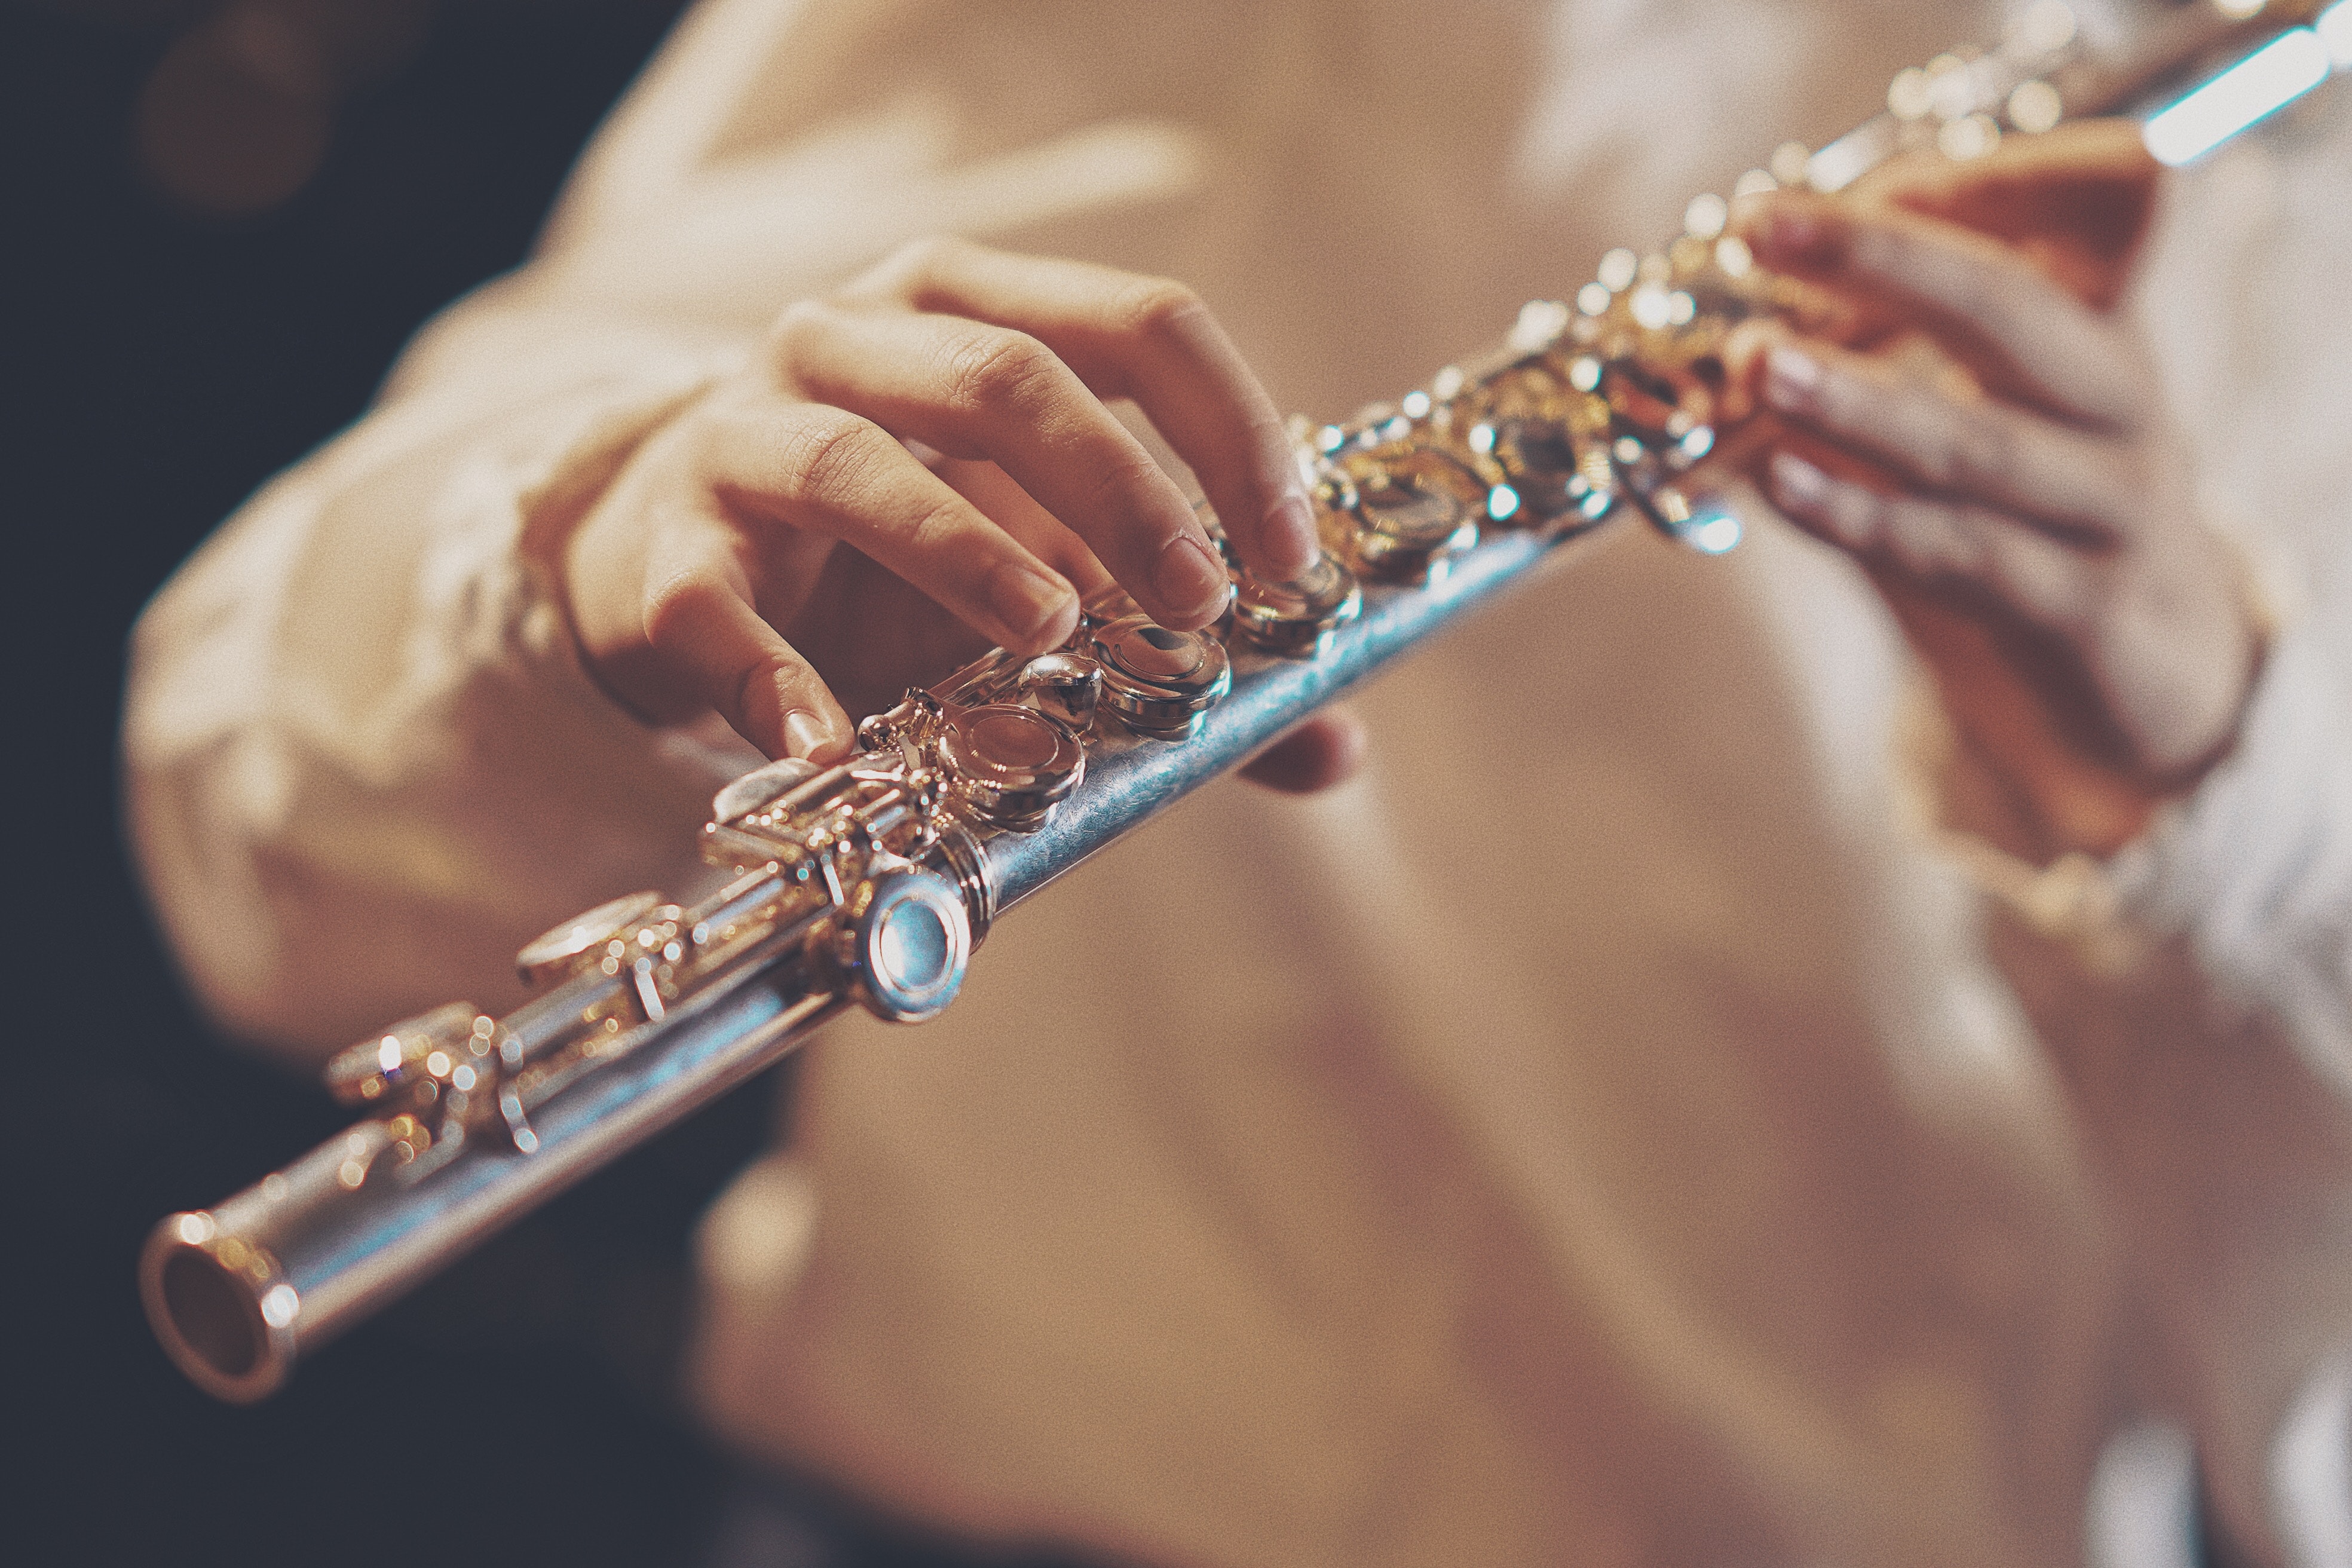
[1793, 380]
[804, 735]
[1797, 485]
[1289, 541]
[1781, 227]
[1031, 607]
[1191, 582]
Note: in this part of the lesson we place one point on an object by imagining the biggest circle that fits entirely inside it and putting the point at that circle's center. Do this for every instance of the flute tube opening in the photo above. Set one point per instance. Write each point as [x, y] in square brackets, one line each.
[219, 1321]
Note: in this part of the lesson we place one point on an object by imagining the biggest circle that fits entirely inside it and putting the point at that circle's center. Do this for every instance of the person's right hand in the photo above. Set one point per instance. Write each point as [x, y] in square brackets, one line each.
[1988, 438]
[776, 548]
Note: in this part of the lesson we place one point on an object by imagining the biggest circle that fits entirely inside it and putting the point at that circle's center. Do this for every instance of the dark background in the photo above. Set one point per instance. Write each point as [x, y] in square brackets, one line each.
[205, 275]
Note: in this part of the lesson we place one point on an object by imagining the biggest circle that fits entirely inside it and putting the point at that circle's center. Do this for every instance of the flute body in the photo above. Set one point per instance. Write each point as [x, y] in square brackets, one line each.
[873, 882]
[238, 1291]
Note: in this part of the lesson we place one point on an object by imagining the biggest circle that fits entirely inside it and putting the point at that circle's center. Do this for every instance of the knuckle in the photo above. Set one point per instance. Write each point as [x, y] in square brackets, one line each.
[1121, 482]
[994, 371]
[905, 270]
[778, 678]
[935, 528]
[676, 606]
[1155, 308]
[794, 327]
[1270, 435]
[829, 453]
[921, 257]
[1268, 429]
[922, 260]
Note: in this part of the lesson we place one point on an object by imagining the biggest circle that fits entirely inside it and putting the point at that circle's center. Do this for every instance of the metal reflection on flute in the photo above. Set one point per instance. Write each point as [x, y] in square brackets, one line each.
[866, 882]
[872, 882]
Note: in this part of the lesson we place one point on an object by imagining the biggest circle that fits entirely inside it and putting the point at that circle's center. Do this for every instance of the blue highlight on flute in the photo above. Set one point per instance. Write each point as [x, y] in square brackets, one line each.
[2260, 85]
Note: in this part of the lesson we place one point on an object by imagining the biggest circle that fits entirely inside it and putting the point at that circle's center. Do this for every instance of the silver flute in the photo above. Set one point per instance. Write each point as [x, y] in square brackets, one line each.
[873, 881]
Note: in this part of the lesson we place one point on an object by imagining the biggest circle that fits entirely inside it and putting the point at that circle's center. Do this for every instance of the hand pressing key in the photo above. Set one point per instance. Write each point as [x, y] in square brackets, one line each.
[1991, 442]
[776, 549]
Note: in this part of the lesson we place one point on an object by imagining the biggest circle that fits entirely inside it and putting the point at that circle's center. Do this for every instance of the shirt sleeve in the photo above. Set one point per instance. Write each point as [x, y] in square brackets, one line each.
[2254, 871]
[363, 760]
[2195, 993]
[2248, 887]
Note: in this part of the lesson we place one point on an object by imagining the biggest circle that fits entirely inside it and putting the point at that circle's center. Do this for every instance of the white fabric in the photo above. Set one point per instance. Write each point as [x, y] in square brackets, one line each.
[1599, 1135]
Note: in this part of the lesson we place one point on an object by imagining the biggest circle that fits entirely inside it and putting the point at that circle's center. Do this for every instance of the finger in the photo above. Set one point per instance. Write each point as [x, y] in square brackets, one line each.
[2034, 338]
[1324, 751]
[825, 471]
[701, 628]
[1017, 511]
[1936, 543]
[974, 390]
[1948, 438]
[1152, 339]
[2076, 201]
[1746, 350]
[1040, 533]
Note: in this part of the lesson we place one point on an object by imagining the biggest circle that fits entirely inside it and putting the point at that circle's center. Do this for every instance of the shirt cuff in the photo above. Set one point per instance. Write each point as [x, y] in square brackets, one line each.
[2254, 867]
[2260, 857]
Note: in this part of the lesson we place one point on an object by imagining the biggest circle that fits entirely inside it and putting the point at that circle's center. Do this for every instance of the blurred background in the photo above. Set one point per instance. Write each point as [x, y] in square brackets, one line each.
[221, 222]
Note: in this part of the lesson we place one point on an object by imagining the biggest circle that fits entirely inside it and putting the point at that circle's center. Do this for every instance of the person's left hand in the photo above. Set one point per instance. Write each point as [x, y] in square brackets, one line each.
[777, 552]
[1991, 445]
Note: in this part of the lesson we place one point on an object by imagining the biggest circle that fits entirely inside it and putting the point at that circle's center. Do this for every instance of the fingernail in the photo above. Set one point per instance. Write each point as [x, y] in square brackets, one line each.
[803, 736]
[1795, 230]
[1793, 380]
[1188, 578]
[1779, 229]
[1796, 484]
[1025, 600]
[1811, 497]
[1289, 542]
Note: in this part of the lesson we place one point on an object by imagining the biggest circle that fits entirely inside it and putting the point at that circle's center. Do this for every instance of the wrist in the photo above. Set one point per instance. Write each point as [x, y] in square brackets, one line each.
[2072, 746]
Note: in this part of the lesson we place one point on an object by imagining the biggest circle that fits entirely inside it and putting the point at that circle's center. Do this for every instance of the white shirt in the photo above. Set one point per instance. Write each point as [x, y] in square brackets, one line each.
[1604, 1132]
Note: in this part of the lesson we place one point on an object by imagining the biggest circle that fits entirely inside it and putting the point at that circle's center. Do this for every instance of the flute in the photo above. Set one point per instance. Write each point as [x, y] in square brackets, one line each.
[873, 882]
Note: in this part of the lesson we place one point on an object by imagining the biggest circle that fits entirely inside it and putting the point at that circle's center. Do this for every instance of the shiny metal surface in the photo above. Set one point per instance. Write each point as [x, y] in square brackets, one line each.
[1416, 511]
[902, 944]
[237, 1293]
[1131, 778]
[1159, 682]
[1295, 619]
[558, 950]
[1065, 686]
[873, 880]
[745, 796]
[1013, 764]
